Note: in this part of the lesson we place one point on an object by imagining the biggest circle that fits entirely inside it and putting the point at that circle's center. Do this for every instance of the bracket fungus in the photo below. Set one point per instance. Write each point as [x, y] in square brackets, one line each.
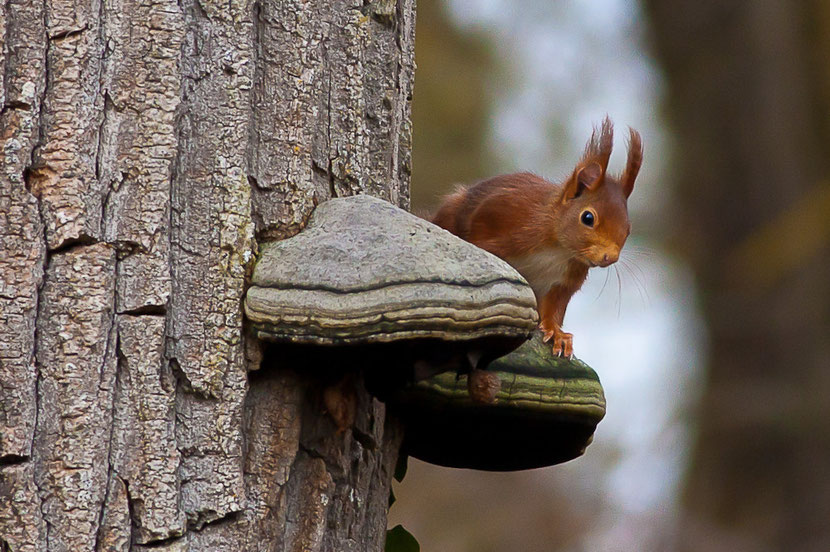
[368, 286]
[545, 413]
[371, 276]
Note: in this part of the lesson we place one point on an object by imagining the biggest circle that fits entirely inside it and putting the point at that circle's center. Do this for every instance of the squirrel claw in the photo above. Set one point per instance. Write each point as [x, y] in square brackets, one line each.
[562, 342]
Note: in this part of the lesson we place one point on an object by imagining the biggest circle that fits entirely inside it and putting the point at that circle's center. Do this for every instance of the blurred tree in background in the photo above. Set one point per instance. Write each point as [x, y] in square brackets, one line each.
[744, 198]
[451, 114]
[450, 108]
[750, 101]
[468, 74]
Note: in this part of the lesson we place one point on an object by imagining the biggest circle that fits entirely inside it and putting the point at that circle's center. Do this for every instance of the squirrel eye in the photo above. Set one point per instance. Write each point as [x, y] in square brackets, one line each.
[587, 218]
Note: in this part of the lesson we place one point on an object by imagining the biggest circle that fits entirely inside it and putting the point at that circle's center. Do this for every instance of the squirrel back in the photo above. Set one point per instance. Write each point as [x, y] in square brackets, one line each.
[497, 214]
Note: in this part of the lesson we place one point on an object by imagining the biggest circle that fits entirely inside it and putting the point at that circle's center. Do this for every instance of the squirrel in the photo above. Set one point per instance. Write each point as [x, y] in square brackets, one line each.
[551, 234]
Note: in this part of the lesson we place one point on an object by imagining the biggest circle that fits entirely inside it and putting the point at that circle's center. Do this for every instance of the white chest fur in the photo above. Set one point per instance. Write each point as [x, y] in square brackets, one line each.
[543, 269]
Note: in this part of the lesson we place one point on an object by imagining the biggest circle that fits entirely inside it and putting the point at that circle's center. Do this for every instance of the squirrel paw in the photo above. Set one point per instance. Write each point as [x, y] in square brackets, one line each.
[563, 342]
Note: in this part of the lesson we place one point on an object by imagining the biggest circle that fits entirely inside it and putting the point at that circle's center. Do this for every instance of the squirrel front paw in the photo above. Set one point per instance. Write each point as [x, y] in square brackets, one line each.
[563, 342]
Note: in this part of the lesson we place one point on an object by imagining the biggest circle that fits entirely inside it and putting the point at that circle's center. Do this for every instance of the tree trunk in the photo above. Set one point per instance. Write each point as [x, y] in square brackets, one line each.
[148, 147]
[748, 89]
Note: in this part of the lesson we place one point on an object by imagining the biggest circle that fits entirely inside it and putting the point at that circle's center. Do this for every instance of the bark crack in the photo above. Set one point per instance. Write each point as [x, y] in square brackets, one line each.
[332, 189]
[5, 51]
[27, 170]
[108, 105]
[146, 310]
[175, 169]
[331, 467]
[252, 154]
[13, 460]
[68, 33]
[111, 333]
[162, 543]
[129, 498]
[69, 245]
[15, 104]
[38, 394]
[38, 294]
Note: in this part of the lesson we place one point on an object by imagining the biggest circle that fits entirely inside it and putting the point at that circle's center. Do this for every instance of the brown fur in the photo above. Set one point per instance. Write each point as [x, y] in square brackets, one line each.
[519, 215]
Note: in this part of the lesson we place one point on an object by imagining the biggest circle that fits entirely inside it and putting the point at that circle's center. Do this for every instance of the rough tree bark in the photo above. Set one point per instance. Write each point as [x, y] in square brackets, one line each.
[147, 148]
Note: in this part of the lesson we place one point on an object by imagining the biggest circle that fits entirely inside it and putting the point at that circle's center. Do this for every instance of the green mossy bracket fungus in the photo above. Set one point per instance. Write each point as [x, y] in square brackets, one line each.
[544, 414]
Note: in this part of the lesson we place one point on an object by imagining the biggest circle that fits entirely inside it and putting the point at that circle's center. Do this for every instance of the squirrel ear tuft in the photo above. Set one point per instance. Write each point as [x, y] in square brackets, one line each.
[632, 165]
[599, 146]
[586, 177]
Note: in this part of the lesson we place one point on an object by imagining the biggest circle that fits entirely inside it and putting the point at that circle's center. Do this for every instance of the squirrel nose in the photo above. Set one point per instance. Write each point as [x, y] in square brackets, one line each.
[609, 258]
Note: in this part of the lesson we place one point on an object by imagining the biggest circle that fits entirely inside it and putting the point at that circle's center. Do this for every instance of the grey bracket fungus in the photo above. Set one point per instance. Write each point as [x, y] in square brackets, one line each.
[545, 413]
[366, 273]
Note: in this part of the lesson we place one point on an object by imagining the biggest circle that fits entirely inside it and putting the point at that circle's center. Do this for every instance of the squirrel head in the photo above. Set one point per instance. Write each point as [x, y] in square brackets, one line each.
[591, 213]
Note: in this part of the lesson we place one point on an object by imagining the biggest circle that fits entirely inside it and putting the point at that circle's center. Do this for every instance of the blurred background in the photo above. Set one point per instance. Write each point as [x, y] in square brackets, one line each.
[714, 350]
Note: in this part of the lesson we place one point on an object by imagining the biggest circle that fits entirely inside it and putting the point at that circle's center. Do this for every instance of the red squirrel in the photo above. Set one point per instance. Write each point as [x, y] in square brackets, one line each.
[551, 234]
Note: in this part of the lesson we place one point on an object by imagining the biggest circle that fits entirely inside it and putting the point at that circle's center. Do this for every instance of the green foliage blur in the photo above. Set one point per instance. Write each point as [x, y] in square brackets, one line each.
[399, 539]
